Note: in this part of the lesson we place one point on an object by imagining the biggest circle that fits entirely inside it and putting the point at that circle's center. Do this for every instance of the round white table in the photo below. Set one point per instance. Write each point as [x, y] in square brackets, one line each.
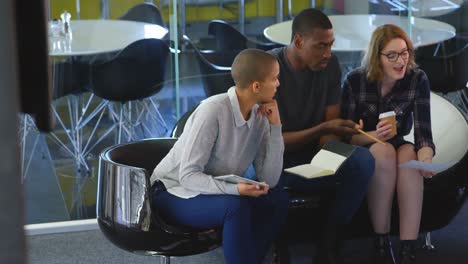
[353, 32]
[99, 36]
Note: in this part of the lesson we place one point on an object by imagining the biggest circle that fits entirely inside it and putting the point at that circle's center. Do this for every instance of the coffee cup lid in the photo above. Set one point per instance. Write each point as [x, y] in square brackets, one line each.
[387, 114]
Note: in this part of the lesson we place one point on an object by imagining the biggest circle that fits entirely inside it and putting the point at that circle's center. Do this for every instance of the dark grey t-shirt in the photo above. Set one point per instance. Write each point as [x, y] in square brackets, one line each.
[302, 99]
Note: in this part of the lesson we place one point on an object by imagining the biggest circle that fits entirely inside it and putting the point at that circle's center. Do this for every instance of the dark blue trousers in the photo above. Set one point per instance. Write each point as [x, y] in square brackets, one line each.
[350, 185]
[250, 224]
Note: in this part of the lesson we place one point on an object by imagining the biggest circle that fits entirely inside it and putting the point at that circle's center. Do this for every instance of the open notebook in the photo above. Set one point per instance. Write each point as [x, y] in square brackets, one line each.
[326, 162]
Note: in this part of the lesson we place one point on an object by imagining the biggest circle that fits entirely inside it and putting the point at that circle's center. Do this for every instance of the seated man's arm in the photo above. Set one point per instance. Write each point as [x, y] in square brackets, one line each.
[295, 140]
[332, 127]
[331, 112]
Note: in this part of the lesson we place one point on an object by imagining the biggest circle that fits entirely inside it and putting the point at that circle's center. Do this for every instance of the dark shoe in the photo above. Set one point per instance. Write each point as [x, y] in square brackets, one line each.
[383, 250]
[407, 253]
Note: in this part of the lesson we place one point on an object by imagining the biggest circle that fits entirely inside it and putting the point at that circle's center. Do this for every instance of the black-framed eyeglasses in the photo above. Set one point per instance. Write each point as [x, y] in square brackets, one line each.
[393, 56]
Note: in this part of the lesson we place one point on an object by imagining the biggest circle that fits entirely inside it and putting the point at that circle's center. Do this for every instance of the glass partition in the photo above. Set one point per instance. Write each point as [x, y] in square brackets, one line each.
[60, 170]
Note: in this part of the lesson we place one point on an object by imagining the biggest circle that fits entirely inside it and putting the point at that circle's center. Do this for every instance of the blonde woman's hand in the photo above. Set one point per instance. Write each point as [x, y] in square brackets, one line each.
[383, 130]
[427, 174]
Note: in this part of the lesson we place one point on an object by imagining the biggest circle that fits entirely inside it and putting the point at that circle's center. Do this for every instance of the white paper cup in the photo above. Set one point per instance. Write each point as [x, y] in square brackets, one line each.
[391, 118]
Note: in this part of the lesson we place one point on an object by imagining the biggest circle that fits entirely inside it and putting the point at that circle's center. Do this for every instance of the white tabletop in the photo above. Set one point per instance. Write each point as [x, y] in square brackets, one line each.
[99, 36]
[353, 32]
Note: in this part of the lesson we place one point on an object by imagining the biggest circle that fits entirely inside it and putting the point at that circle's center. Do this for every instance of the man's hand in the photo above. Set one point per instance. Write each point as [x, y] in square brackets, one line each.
[247, 189]
[270, 110]
[341, 127]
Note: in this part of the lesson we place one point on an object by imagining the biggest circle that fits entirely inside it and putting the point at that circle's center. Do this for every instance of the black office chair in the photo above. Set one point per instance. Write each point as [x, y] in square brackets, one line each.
[135, 73]
[230, 39]
[216, 79]
[124, 210]
[446, 64]
[145, 12]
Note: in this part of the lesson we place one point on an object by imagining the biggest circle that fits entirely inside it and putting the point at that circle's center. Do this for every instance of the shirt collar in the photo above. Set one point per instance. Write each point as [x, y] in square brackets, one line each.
[238, 118]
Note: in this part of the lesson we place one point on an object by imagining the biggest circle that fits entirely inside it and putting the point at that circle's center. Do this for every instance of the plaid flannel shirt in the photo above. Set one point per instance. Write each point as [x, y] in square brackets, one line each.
[409, 98]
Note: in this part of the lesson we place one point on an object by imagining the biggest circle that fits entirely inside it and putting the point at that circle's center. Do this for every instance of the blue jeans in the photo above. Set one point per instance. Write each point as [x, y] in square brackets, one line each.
[249, 224]
[350, 185]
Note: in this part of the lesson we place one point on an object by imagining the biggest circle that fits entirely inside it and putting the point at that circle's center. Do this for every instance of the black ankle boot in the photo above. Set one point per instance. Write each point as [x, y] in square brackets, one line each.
[407, 252]
[383, 250]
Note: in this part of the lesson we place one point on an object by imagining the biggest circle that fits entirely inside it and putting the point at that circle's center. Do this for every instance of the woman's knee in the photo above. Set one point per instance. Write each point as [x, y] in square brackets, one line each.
[385, 156]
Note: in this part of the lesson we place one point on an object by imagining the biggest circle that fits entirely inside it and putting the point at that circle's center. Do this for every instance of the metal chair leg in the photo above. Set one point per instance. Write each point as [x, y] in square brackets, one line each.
[428, 246]
[165, 260]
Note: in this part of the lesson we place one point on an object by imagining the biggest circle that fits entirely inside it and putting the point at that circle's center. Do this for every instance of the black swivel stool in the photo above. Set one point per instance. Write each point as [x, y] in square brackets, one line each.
[124, 211]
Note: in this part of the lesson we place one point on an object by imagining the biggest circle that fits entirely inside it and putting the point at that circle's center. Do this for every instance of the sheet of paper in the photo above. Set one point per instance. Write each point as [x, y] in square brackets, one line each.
[434, 167]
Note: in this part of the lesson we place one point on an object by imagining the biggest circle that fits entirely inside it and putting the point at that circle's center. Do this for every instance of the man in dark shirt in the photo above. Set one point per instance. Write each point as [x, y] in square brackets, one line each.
[308, 100]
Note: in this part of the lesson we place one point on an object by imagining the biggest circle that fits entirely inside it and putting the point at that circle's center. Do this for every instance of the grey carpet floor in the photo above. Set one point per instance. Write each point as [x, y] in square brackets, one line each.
[92, 247]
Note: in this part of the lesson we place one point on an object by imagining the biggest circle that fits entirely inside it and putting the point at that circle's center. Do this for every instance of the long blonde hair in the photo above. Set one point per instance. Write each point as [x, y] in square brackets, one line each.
[380, 38]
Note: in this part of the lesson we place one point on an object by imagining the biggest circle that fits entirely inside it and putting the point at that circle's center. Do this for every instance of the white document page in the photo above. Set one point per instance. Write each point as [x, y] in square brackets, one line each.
[433, 167]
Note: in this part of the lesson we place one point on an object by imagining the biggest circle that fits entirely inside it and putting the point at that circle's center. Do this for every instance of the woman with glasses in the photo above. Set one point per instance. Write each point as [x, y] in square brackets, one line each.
[389, 80]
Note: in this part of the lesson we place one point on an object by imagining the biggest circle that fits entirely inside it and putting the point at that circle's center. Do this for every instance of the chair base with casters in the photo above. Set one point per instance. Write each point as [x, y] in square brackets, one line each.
[27, 129]
[124, 210]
